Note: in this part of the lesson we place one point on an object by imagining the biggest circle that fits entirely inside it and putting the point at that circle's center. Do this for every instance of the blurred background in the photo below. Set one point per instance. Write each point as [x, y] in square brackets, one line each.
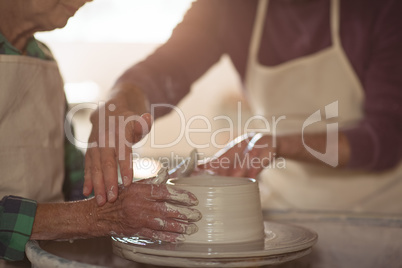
[105, 37]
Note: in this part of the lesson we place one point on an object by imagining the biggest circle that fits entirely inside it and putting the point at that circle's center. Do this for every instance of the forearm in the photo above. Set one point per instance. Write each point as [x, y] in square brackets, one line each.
[70, 220]
[153, 211]
[163, 85]
[166, 75]
[131, 96]
[292, 147]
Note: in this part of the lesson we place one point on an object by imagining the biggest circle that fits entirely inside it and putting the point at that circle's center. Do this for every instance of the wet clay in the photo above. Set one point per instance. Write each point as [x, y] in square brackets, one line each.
[230, 207]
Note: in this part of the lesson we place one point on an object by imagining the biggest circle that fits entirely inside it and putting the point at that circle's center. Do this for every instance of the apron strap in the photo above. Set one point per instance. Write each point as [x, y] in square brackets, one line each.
[259, 22]
[257, 30]
[335, 22]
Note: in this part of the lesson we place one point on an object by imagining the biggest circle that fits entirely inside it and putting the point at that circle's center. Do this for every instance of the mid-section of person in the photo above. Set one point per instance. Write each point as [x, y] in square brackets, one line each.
[295, 58]
[32, 110]
[328, 73]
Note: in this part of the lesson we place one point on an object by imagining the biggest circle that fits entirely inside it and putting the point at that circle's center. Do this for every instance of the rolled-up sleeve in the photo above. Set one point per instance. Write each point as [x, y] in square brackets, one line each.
[16, 220]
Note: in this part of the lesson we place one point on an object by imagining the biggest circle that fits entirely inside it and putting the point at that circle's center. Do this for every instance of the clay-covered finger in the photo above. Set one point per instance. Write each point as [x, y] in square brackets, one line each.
[131, 130]
[171, 225]
[109, 171]
[125, 140]
[160, 178]
[190, 164]
[124, 156]
[182, 213]
[126, 168]
[173, 194]
[97, 178]
[162, 192]
[161, 236]
[172, 211]
[88, 186]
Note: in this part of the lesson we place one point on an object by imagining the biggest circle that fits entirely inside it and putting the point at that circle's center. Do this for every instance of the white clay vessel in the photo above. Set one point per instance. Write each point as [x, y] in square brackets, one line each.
[230, 207]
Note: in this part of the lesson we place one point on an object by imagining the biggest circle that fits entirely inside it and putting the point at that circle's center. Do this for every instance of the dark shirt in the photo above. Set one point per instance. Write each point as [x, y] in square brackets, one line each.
[371, 36]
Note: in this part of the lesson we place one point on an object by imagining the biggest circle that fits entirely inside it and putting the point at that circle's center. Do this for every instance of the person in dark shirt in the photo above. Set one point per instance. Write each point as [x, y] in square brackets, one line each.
[362, 39]
[331, 68]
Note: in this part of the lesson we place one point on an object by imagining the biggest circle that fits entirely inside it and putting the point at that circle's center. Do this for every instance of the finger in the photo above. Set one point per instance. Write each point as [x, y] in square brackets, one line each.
[134, 132]
[87, 189]
[125, 164]
[142, 126]
[162, 236]
[253, 173]
[162, 209]
[109, 170]
[97, 177]
[242, 159]
[214, 166]
[160, 178]
[182, 213]
[126, 138]
[177, 196]
[190, 163]
[225, 166]
[170, 225]
[263, 161]
[145, 181]
[171, 211]
[163, 192]
[240, 171]
[242, 164]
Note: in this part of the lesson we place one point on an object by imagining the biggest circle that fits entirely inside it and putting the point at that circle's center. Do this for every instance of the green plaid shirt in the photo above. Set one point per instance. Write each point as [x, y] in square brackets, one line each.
[33, 49]
[16, 213]
[16, 220]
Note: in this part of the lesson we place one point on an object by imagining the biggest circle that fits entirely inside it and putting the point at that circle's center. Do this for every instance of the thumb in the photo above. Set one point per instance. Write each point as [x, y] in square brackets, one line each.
[142, 126]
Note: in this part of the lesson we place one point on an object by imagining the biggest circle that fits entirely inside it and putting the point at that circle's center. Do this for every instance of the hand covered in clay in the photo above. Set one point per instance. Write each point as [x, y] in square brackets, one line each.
[116, 127]
[245, 156]
[155, 211]
[160, 212]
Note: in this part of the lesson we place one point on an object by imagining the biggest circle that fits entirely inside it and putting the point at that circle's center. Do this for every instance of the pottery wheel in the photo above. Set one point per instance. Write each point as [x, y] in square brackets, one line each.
[282, 243]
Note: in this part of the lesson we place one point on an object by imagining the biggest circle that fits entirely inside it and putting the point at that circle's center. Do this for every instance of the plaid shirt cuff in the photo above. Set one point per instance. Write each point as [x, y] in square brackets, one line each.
[16, 220]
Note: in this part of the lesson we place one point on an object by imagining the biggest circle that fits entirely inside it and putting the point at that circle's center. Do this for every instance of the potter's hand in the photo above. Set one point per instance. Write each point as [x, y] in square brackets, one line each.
[245, 156]
[159, 212]
[116, 126]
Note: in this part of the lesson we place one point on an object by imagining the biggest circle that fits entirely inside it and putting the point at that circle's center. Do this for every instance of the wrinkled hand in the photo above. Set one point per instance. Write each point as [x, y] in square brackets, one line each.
[160, 212]
[115, 129]
[245, 156]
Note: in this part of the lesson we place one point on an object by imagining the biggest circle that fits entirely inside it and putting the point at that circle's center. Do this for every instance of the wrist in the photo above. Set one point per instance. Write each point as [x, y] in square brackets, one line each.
[94, 226]
[131, 97]
[107, 218]
[70, 220]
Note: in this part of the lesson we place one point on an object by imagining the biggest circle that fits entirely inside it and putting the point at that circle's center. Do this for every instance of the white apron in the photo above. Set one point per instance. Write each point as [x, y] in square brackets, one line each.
[32, 108]
[296, 89]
